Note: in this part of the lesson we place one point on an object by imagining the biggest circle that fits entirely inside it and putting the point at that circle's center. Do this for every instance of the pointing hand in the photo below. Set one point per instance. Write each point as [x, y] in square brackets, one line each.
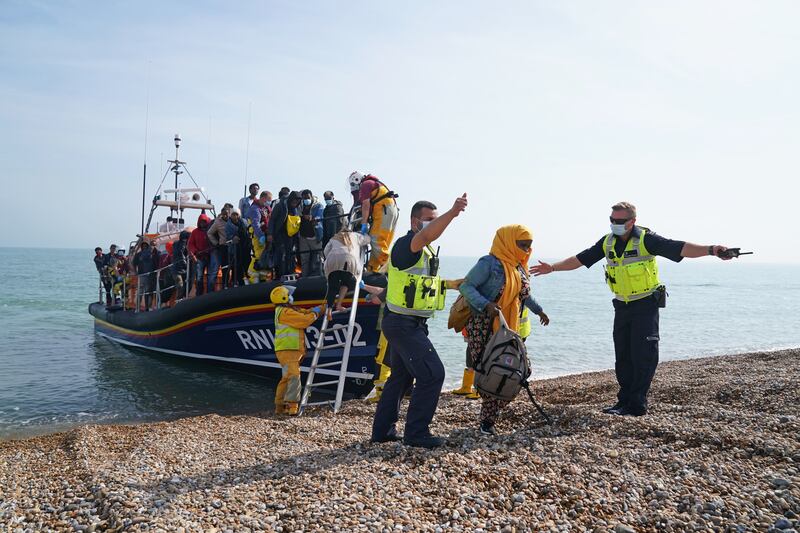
[541, 269]
[719, 252]
[459, 205]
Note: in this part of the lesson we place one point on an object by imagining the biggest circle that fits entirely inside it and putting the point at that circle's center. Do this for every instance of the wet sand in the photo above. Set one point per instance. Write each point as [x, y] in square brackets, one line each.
[719, 451]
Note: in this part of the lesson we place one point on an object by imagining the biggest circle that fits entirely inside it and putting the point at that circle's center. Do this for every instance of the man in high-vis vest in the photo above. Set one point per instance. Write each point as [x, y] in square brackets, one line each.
[290, 346]
[414, 292]
[631, 273]
[379, 215]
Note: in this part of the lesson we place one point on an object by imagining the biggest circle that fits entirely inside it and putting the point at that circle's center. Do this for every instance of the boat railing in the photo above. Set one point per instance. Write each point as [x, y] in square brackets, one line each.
[182, 291]
[143, 300]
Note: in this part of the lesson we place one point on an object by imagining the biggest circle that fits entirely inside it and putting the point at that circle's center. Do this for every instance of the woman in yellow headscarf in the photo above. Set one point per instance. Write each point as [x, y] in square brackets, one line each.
[498, 283]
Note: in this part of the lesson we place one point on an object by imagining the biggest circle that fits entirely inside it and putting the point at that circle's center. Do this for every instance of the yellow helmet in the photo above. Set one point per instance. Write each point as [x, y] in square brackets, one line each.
[281, 294]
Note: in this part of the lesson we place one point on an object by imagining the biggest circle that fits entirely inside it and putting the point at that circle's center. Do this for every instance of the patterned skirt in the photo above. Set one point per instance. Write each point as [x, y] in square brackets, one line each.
[479, 331]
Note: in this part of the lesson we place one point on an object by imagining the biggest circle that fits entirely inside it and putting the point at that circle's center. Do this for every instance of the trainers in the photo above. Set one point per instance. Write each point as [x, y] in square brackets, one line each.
[392, 436]
[487, 429]
[611, 410]
[428, 441]
[630, 411]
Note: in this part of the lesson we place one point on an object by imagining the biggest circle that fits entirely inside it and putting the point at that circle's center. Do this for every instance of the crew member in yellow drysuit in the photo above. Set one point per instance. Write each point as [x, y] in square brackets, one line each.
[379, 215]
[290, 347]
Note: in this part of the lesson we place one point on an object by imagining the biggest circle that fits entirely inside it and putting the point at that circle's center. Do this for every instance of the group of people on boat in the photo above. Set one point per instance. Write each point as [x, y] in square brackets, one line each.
[262, 239]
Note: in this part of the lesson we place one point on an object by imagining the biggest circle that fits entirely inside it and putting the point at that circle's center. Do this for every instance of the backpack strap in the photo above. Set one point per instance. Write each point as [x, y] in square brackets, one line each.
[389, 194]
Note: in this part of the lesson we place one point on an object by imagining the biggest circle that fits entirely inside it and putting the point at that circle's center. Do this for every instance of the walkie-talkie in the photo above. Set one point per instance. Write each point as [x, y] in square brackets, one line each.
[433, 263]
[410, 293]
[733, 252]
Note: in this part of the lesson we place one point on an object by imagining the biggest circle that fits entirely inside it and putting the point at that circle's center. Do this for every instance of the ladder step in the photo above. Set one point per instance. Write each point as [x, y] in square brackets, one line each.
[337, 327]
[332, 346]
[326, 402]
[322, 383]
[339, 367]
[326, 365]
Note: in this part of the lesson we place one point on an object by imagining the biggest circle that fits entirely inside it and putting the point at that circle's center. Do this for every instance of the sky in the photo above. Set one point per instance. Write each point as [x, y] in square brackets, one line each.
[544, 113]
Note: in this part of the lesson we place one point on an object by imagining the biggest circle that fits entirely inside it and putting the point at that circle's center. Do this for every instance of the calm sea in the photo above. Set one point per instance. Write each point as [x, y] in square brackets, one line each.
[56, 373]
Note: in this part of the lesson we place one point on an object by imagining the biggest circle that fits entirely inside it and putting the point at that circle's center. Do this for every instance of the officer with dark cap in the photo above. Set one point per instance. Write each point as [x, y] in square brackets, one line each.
[631, 273]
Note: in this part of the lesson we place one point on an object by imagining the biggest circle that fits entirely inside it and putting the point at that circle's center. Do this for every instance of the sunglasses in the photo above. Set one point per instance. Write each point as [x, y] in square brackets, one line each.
[618, 220]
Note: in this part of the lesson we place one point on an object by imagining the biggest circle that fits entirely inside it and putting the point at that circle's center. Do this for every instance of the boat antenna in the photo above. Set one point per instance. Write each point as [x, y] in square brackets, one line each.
[146, 124]
[176, 167]
[247, 150]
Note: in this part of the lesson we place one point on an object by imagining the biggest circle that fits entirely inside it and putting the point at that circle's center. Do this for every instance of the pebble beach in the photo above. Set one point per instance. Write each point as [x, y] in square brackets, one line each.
[719, 451]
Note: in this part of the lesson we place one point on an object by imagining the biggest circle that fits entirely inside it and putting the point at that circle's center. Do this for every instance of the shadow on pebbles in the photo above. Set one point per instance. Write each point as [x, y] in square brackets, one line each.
[717, 452]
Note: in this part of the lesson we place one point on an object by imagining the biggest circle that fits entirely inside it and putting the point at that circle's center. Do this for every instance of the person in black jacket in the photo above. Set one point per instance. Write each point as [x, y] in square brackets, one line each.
[100, 262]
[180, 263]
[145, 264]
[283, 245]
[240, 246]
[332, 217]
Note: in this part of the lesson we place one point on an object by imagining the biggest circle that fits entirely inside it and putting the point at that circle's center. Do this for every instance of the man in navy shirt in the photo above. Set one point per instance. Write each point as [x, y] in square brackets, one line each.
[413, 357]
[632, 275]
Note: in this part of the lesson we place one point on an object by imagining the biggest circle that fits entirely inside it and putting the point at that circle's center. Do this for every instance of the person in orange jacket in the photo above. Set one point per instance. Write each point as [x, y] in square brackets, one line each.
[290, 346]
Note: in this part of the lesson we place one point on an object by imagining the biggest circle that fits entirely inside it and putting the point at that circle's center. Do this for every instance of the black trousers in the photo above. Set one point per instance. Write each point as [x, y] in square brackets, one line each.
[414, 361]
[336, 280]
[284, 257]
[636, 350]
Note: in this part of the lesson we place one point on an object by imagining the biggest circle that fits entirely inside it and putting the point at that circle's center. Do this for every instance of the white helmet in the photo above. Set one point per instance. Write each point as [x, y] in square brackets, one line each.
[355, 180]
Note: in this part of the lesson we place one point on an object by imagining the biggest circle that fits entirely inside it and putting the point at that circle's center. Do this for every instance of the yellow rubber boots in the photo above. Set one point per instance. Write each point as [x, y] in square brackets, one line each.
[467, 390]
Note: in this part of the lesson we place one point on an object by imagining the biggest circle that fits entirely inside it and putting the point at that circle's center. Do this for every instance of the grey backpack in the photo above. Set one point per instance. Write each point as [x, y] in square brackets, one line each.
[504, 368]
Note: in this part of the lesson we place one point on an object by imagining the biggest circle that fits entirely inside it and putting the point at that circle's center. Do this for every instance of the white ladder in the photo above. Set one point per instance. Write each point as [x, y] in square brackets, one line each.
[349, 330]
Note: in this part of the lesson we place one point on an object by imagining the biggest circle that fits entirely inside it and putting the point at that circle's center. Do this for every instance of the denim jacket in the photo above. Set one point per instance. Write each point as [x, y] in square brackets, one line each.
[483, 282]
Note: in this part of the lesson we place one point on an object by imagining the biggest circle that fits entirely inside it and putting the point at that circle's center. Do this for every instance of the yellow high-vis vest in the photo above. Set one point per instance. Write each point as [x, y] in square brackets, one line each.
[414, 291]
[524, 328]
[634, 275]
[286, 337]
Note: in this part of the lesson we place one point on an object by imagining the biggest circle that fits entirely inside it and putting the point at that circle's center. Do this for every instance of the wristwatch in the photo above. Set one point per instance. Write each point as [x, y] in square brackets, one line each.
[711, 250]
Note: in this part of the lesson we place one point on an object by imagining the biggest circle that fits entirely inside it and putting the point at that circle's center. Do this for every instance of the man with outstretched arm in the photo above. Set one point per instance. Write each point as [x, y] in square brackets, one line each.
[632, 275]
[414, 292]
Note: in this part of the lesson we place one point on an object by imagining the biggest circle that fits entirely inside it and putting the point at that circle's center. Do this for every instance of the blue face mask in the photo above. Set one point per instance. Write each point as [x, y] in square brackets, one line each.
[328, 202]
[618, 229]
[423, 224]
[306, 201]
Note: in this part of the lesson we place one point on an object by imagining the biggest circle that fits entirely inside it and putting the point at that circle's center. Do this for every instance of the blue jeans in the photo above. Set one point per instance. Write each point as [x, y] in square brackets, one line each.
[216, 261]
[200, 267]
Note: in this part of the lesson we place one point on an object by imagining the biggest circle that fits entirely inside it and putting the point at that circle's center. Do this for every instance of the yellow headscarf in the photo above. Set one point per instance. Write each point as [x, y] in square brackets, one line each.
[504, 247]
